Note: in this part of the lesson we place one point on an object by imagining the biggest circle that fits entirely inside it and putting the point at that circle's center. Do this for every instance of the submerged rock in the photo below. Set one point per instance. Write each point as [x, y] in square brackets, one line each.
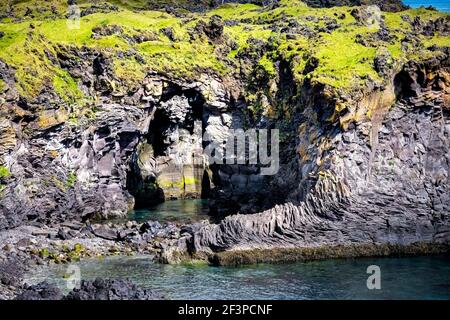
[40, 291]
[116, 289]
[99, 289]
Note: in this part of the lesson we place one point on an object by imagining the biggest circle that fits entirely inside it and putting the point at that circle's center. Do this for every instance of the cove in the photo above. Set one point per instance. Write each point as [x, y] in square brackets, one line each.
[401, 278]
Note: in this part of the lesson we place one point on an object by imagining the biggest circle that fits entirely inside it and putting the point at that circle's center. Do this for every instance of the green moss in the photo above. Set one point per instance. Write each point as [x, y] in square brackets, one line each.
[190, 181]
[182, 59]
[66, 86]
[76, 253]
[164, 183]
[43, 253]
[267, 66]
[233, 11]
[243, 32]
[341, 62]
[4, 172]
[71, 180]
[78, 248]
[439, 41]
[194, 262]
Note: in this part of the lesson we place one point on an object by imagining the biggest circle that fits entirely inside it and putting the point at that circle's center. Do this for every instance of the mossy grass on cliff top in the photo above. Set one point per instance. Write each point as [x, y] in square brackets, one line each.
[332, 56]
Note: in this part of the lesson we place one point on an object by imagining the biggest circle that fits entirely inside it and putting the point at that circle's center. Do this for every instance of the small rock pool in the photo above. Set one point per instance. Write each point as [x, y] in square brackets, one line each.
[181, 211]
[401, 278]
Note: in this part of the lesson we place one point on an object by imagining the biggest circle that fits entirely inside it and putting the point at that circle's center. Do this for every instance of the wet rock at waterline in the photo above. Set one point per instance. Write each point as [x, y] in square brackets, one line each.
[40, 291]
[116, 289]
[99, 289]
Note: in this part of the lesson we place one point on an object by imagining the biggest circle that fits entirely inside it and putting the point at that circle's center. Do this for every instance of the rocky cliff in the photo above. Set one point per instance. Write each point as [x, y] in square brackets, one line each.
[382, 180]
[108, 110]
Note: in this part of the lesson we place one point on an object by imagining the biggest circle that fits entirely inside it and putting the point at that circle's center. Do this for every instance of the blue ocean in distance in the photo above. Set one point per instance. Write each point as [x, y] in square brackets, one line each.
[442, 5]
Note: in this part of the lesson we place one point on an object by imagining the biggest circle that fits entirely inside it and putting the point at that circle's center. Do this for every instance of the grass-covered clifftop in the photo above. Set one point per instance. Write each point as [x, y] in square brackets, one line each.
[342, 48]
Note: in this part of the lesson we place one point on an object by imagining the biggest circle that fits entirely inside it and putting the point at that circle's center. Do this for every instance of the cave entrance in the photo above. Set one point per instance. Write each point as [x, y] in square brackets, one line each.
[169, 162]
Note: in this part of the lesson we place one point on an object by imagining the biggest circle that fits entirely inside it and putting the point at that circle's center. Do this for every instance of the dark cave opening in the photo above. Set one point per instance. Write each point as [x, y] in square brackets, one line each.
[161, 142]
[219, 183]
[161, 125]
[156, 137]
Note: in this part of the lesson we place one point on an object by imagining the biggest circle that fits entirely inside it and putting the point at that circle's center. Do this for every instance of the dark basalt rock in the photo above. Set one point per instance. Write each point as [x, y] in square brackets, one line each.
[117, 289]
[99, 289]
[168, 32]
[150, 227]
[213, 29]
[104, 31]
[106, 233]
[41, 291]
[383, 64]
[11, 271]
[100, 8]
[431, 27]
[378, 178]
[373, 197]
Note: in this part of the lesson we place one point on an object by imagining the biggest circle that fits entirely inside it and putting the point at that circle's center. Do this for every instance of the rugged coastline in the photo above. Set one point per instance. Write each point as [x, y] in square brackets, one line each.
[25, 248]
[113, 115]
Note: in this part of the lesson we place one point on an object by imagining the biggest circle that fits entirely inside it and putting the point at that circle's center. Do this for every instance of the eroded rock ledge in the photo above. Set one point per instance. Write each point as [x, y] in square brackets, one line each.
[285, 255]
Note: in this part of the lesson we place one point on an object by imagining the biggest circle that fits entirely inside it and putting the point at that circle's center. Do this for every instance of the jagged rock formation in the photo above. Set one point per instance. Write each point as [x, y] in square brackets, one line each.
[385, 180]
[111, 116]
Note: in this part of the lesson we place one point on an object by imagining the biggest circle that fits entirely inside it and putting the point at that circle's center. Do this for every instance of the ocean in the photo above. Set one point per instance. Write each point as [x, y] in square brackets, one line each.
[443, 5]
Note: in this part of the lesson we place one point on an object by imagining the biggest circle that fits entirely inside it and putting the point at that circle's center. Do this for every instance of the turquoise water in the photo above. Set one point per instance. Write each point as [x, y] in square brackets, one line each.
[182, 211]
[401, 278]
[443, 5]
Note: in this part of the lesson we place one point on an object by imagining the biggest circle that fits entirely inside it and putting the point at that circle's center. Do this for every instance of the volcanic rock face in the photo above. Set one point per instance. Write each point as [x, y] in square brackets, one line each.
[90, 165]
[94, 159]
[137, 150]
[99, 289]
[170, 163]
[385, 180]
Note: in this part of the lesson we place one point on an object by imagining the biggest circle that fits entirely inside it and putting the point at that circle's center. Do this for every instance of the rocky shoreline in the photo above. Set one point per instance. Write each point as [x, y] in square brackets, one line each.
[117, 116]
[287, 255]
[26, 247]
[98, 289]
